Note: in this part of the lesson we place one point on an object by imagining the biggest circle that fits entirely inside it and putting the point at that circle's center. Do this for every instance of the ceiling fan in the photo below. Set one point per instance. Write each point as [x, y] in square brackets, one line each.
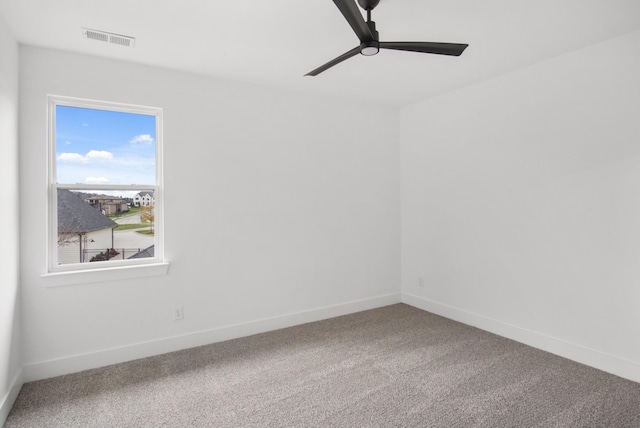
[369, 39]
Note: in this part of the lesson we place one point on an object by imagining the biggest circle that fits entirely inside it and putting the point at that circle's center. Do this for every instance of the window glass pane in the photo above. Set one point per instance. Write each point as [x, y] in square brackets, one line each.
[105, 175]
[104, 147]
[102, 226]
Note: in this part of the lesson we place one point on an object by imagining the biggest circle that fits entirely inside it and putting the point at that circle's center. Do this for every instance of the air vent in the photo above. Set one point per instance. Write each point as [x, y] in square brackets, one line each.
[103, 36]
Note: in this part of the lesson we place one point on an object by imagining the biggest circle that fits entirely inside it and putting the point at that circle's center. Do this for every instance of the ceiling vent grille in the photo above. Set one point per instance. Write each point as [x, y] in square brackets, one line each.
[103, 36]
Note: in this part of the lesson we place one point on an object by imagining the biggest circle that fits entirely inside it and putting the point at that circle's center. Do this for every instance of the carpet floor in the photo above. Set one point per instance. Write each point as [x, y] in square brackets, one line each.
[395, 366]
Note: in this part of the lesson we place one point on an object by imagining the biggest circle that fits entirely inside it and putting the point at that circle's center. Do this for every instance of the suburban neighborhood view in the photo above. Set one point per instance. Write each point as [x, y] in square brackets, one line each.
[114, 151]
[95, 227]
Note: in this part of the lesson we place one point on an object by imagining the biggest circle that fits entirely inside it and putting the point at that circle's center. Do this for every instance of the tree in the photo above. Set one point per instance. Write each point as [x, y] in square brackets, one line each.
[147, 215]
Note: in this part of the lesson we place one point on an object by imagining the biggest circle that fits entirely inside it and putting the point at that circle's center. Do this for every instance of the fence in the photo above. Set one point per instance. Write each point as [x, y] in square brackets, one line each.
[95, 255]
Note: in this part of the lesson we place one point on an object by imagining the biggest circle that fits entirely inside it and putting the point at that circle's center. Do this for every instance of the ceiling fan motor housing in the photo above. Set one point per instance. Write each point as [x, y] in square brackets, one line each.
[371, 47]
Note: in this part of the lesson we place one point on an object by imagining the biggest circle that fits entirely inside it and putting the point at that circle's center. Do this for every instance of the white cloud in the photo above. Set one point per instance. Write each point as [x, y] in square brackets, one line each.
[72, 157]
[96, 180]
[99, 154]
[145, 139]
[78, 158]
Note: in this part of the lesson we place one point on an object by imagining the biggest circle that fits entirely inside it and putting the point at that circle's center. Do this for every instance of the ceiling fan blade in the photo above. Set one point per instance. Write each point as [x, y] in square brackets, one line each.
[454, 49]
[353, 52]
[351, 13]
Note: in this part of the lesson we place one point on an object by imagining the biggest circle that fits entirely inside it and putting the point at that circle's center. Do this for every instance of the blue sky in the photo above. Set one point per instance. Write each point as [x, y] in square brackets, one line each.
[104, 147]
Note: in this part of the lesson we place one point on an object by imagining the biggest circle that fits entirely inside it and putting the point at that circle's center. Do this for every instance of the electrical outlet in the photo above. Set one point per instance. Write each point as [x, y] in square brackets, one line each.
[178, 313]
[420, 281]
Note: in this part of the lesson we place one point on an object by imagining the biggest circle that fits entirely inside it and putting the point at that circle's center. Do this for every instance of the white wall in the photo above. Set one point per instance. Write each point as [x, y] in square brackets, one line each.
[297, 219]
[10, 330]
[521, 205]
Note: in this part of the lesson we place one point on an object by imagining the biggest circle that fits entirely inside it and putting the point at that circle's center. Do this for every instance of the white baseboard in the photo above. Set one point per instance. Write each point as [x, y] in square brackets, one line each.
[572, 351]
[77, 363]
[10, 397]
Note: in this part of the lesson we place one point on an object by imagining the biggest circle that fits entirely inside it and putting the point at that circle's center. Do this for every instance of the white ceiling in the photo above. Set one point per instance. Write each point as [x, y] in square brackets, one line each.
[276, 42]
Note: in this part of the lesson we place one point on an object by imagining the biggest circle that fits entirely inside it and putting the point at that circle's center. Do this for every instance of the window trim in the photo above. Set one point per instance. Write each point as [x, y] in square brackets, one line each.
[102, 271]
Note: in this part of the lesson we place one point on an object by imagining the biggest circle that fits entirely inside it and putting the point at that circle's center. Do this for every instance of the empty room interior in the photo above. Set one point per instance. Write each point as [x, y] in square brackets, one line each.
[495, 191]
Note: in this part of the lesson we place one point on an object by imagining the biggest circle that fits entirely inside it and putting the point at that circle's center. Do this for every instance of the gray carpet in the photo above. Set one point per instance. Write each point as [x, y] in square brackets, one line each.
[393, 366]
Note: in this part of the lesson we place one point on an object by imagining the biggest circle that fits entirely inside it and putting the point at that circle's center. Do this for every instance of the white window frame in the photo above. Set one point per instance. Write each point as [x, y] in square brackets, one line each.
[113, 269]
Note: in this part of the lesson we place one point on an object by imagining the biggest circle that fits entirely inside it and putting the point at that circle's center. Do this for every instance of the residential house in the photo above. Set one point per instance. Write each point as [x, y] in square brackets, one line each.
[144, 253]
[107, 204]
[144, 199]
[83, 230]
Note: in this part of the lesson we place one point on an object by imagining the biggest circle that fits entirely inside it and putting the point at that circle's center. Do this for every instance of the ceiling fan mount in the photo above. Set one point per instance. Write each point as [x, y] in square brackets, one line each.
[370, 43]
[368, 4]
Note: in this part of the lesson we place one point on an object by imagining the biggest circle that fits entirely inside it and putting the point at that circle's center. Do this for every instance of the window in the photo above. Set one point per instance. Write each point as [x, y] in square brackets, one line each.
[105, 185]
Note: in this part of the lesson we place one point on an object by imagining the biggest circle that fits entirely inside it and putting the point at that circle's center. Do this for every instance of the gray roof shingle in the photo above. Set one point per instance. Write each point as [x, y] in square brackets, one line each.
[76, 216]
[147, 252]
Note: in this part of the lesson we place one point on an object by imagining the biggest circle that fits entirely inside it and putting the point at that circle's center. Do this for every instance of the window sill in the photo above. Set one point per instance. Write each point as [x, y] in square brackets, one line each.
[116, 273]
